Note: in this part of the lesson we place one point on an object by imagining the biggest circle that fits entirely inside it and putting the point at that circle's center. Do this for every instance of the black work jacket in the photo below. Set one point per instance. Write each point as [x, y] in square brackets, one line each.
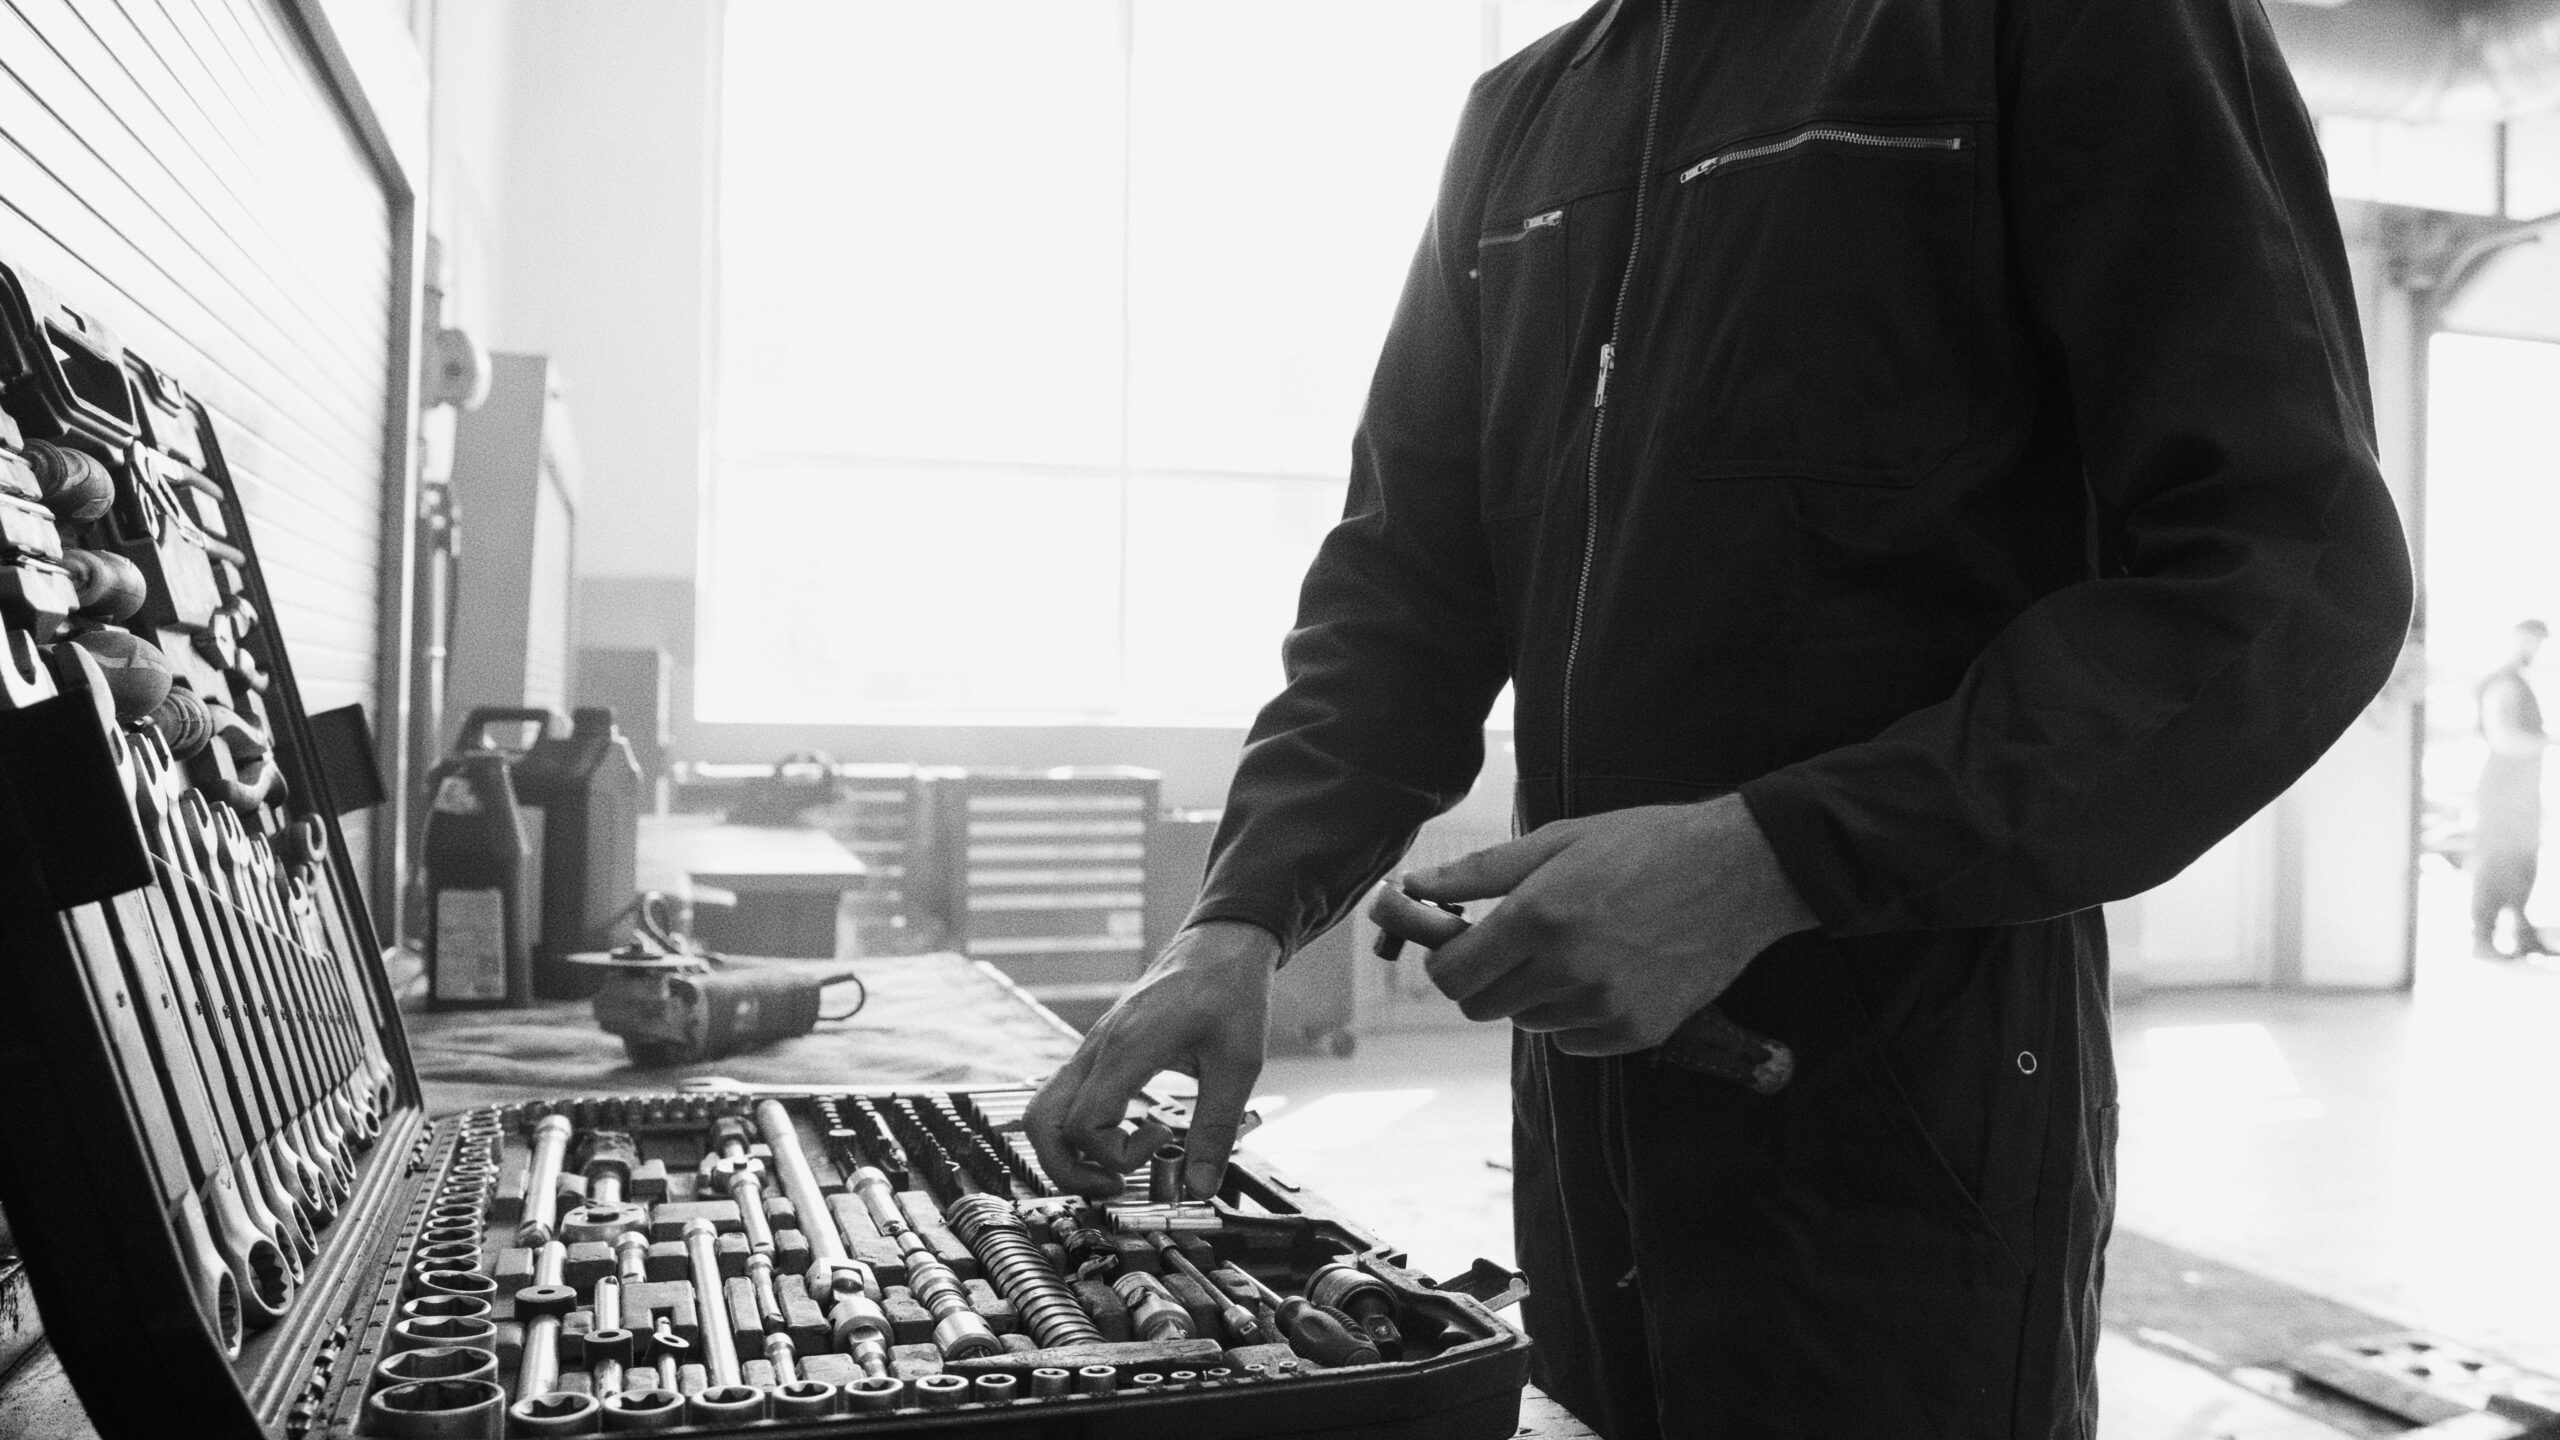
[1984, 487]
[1983, 484]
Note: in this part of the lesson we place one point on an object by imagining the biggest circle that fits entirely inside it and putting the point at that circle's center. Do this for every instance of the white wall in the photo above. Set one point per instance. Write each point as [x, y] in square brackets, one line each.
[607, 205]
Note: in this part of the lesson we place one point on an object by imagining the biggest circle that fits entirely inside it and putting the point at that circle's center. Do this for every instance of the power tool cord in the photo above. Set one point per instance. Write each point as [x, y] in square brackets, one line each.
[655, 913]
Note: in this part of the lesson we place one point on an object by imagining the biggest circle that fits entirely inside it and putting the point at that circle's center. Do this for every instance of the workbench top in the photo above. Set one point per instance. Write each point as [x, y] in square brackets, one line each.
[680, 850]
[935, 1021]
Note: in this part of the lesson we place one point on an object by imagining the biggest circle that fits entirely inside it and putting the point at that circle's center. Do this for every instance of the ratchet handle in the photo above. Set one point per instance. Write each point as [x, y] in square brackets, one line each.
[1708, 1042]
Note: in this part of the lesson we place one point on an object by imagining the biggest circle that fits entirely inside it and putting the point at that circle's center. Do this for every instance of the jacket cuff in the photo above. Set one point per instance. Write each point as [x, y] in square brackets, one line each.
[1269, 919]
[1811, 849]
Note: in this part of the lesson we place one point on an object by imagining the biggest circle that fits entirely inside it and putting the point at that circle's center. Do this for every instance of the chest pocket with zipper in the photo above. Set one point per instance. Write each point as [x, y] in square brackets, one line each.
[1531, 278]
[1818, 314]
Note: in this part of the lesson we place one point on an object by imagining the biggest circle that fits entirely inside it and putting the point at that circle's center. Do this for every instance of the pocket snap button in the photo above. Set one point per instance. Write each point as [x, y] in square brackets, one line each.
[2026, 1062]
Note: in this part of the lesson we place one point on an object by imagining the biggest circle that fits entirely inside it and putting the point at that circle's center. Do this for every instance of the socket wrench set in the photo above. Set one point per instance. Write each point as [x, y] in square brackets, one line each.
[888, 1263]
[238, 1221]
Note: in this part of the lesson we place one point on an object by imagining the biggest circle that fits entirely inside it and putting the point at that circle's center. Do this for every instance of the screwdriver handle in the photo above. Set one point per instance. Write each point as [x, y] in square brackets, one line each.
[1708, 1042]
[1317, 1335]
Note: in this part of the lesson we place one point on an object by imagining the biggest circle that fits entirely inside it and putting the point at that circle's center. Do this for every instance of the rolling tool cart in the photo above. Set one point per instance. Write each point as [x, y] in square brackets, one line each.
[239, 1222]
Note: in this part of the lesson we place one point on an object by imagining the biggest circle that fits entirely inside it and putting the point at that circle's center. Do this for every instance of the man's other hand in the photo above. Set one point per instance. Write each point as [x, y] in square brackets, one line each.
[1200, 1010]
[1617, 927]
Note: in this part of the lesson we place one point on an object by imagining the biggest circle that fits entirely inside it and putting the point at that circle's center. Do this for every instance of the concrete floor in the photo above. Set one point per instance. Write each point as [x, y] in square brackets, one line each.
[2396, 1152]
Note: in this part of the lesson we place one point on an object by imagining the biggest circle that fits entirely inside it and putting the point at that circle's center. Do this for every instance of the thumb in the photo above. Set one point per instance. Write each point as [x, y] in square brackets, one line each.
[1496, 870]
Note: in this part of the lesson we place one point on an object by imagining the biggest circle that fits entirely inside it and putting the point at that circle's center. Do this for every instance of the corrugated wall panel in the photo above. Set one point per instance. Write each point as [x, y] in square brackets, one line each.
[185, 170]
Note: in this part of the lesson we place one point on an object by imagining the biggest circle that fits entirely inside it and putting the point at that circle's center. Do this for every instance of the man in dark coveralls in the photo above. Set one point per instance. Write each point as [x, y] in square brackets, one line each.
[1913, 458]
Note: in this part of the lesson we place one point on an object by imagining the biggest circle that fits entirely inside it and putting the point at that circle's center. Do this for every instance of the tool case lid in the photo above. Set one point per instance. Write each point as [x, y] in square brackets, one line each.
[106, 1172]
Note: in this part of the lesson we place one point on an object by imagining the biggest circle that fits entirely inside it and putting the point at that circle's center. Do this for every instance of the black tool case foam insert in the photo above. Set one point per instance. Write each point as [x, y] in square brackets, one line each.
[213, 1149]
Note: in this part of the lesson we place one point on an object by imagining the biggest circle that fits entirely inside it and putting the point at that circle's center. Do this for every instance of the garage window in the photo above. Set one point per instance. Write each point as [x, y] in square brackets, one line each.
[1044, 326]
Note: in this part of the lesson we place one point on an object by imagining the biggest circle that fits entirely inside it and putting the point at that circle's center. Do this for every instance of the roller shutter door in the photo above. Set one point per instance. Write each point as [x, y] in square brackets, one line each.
[185, 172]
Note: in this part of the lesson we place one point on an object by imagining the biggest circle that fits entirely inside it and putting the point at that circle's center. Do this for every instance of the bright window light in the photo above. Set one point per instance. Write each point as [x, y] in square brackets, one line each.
[1044, 326]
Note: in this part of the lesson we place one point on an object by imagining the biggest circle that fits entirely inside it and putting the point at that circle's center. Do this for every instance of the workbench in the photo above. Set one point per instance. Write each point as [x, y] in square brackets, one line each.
[939, 1021]
[756, 889]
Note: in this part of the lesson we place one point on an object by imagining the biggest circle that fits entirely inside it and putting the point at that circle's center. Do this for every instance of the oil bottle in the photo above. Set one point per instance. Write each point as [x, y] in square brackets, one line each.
[481, 885]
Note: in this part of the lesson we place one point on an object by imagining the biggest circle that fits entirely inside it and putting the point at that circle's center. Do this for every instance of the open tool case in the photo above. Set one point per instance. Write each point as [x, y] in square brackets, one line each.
[239, 1221]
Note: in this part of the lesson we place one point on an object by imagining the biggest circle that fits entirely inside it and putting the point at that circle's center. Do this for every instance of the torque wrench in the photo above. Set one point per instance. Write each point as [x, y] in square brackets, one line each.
[719, 1347]
[959, 1332]
[1708, 1042]
[542, 1187]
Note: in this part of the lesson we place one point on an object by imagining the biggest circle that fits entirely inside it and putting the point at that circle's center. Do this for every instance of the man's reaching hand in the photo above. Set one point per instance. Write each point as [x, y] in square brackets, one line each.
[1199, 1010]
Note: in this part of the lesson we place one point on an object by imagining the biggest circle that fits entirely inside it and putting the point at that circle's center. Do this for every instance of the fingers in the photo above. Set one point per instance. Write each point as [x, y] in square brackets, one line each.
[1216, 1117]
[1046, 1121]
[1075, 1120]
[1093, 1118]
[1495, 870]
[1475, 962]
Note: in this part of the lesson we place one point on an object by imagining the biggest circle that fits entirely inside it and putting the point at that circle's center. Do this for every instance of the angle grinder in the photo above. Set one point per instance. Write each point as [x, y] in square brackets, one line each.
[675, 1003]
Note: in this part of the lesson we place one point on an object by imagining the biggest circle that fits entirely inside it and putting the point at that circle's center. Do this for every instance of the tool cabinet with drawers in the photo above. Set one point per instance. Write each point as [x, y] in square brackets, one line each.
[238, 1220]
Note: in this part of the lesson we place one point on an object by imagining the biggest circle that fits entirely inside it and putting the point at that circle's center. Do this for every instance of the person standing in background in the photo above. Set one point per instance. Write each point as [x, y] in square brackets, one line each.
[2509, 838]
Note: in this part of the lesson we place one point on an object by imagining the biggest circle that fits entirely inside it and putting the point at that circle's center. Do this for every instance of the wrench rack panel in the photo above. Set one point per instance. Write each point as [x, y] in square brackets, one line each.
[238, 1222]
[208, 1088]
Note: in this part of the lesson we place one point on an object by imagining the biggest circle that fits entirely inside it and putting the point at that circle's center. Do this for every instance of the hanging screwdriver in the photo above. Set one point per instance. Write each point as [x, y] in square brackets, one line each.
[1312, 1331]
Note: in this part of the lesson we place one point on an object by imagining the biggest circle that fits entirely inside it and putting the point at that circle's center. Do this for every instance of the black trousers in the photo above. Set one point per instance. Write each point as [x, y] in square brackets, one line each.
[1905, 1242]
[2503, 880]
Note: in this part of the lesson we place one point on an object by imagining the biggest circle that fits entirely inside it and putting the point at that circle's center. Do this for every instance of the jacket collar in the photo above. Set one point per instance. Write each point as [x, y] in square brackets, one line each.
[1599, 32]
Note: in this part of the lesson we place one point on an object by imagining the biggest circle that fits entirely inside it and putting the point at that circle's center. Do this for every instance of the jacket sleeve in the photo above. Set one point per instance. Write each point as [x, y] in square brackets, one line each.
[1397, 653]
[2176, 247]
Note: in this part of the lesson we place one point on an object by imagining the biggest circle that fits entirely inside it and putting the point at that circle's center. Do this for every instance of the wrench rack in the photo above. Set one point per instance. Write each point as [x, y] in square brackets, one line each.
[209, 1094]
[238, 1221]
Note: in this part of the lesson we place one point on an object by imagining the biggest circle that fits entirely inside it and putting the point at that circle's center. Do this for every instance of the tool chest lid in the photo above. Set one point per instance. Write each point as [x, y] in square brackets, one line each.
[210, 1089]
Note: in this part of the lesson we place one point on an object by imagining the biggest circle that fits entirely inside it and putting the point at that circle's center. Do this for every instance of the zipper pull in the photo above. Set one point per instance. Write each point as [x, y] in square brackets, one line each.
[1608, 362]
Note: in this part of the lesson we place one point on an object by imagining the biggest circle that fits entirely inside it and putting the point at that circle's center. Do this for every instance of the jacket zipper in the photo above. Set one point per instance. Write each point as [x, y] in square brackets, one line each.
[1551, 220]
[1709, 165]
[1568, 799]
